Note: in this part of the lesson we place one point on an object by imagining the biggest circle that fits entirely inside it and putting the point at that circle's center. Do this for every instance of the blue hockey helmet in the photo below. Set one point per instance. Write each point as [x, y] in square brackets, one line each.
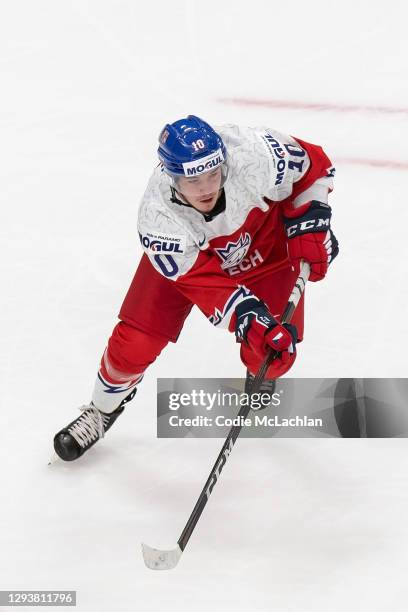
[190, 147]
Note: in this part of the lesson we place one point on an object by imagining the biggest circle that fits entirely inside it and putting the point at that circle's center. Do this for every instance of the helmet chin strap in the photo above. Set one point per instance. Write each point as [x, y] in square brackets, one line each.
[176, 200]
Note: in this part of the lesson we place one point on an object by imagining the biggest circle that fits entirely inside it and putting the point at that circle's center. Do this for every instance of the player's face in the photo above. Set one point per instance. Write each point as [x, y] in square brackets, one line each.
[202, 191]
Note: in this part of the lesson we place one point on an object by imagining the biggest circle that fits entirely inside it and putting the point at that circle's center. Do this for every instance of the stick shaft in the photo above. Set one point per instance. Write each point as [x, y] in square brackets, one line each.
[243, 413]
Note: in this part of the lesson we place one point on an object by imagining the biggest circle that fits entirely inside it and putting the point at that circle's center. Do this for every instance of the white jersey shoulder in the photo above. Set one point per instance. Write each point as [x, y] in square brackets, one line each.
[262, 163]
[168, 237]
[267, 161]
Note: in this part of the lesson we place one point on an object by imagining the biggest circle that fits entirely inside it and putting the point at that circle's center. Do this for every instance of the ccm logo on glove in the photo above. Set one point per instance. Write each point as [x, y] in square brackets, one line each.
[309, 225]
[311, 239]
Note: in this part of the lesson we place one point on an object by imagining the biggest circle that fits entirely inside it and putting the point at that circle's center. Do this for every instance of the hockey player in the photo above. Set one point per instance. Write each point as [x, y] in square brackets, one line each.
[225, 221]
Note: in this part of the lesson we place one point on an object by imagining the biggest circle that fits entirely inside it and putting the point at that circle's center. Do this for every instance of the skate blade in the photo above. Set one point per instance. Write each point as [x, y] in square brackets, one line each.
[53, 459]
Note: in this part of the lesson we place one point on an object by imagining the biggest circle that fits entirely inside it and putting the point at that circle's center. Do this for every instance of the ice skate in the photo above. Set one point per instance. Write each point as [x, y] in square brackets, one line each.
[76, 438]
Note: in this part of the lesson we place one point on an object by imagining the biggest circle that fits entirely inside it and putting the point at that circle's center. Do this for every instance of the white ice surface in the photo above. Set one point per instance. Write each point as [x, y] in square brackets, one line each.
[293, 525]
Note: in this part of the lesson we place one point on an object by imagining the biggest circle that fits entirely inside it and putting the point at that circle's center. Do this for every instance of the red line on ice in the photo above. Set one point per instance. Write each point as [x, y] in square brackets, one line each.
[317, 106]
[377, 163]
[342, 108]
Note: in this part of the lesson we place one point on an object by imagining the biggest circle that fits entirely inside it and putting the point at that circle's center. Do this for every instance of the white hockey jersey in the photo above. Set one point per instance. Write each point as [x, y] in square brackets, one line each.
[270, 174]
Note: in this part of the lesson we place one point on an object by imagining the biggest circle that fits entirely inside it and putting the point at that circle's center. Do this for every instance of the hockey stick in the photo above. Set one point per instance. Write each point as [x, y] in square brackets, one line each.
[167, 559]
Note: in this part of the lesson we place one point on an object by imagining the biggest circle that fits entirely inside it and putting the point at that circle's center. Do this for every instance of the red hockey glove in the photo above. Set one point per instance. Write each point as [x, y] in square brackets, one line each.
[311, 239]
[256, 326]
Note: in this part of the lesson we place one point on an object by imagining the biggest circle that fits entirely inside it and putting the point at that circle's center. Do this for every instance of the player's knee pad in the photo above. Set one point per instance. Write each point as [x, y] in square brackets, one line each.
[129, 352]
[132, 350]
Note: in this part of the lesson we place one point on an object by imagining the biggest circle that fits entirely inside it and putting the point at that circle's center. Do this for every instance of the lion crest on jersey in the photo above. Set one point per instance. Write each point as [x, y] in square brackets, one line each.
[234, 252]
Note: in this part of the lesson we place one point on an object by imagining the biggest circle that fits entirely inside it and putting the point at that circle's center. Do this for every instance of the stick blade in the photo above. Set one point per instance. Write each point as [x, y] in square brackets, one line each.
[161, 559]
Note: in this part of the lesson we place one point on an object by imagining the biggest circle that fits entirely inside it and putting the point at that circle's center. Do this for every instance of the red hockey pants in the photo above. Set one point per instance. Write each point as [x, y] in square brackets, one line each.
[154, 311]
